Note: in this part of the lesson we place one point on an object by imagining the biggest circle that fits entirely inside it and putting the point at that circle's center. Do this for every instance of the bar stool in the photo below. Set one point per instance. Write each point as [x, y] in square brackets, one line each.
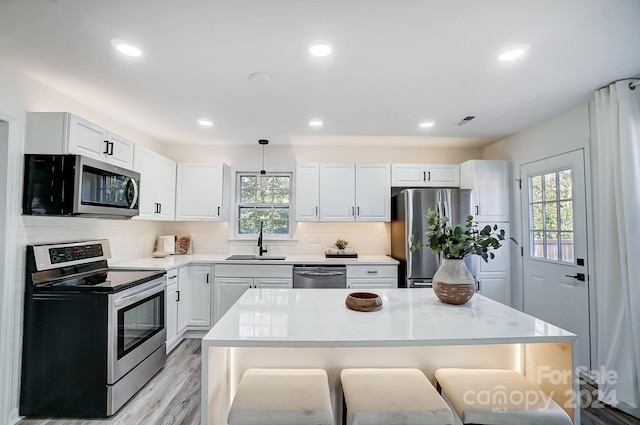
[282, 397]
[497, 396]
[392, 397]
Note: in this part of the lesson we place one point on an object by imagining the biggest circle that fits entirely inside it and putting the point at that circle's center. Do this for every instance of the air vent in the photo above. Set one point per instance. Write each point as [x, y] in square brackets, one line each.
[465, 120]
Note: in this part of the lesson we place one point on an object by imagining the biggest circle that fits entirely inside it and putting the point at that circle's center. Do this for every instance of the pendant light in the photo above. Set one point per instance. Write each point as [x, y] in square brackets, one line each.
[263, 142]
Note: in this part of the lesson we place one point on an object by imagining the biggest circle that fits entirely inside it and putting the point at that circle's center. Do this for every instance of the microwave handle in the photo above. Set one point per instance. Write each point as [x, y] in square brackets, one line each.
[135, 193]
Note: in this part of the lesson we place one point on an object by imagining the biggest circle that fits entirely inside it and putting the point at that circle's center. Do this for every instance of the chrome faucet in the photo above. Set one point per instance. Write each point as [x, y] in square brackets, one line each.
[260, 249]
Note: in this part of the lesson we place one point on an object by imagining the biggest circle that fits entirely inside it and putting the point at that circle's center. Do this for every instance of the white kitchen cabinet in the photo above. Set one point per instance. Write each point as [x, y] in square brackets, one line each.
[200, 282]
[176, 305]
[232, 280]
[307, 192]
[489, 181]
[157, 185]
[202, 192]
[372, 276]
[343, 192]
[171, 304]
[184, 292]
[373, 192]
[65, 133]
[425, 175]
[337, 192]
[493, 277]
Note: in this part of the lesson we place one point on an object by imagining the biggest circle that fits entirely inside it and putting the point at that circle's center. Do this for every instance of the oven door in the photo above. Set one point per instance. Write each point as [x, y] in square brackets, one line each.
[102, 188]
[136, 326]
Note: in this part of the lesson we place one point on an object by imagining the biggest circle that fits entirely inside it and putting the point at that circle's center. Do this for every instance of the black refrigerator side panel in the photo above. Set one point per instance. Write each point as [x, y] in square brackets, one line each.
[64, 355]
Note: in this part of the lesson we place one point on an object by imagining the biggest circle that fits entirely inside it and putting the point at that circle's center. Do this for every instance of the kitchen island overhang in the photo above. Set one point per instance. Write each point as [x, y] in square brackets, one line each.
[313, 328]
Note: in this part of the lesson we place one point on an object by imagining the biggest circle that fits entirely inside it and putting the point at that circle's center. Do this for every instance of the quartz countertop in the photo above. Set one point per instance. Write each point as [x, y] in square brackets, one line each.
[174, 261]
[409, 317]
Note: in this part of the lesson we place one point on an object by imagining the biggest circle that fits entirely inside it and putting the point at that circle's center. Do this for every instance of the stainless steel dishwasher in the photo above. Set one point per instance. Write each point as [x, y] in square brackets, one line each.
[313, 276]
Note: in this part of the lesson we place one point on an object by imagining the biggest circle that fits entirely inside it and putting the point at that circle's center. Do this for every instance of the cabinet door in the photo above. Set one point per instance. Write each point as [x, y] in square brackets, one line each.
[227, 291]
[184, 294]
[372, 283]
[373, 192]
[494, 288]
[172, 311]
[200, 281]
[307, 192]
[260, 282]
[337, 192]
[144, 162]
[120, 151]
[491, 190]
[442, 175]
[199, 190]
[166, 190]
[86, 138]
[408, 175]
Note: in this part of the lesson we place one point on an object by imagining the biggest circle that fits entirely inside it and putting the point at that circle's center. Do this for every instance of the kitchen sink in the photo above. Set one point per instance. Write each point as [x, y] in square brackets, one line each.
[254, 257]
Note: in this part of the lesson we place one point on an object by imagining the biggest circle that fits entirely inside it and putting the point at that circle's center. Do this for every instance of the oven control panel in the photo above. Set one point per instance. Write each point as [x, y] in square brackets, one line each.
[74, 253]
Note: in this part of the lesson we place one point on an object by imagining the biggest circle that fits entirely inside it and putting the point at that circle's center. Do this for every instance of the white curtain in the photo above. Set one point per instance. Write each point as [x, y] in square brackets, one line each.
[617, 242]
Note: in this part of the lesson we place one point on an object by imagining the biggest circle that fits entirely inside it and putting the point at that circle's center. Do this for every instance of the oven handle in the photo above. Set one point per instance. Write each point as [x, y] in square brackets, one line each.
[141, 294]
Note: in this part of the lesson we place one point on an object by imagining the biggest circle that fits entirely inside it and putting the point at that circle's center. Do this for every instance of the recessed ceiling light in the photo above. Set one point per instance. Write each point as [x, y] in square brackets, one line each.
[205, 123]
[315, 123]
[514, 53]
[320, 49]
[126, 48]
[427, 124]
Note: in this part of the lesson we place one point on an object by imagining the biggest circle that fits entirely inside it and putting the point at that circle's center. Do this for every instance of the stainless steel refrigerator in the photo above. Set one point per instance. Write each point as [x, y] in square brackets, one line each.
[408, 209]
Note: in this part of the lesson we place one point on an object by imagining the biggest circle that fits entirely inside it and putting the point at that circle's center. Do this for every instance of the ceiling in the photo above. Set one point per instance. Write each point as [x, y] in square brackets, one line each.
[394, 64]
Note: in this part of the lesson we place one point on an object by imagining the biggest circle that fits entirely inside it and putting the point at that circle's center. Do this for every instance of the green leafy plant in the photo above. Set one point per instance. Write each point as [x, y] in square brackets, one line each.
[341, 243]
[456, 242]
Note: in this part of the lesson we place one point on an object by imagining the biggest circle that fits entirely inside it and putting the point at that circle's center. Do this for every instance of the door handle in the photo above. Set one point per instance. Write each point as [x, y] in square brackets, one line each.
[578, 276]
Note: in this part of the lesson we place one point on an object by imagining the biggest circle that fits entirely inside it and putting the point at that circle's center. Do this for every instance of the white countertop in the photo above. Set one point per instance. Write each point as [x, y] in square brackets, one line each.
[409, 317]
[174, 261]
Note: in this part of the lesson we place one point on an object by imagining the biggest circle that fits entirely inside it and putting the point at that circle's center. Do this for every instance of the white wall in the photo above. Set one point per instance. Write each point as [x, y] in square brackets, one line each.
[564, 133]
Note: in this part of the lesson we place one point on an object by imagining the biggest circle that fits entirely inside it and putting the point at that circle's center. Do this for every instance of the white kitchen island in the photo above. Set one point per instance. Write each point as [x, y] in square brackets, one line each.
[313, 328]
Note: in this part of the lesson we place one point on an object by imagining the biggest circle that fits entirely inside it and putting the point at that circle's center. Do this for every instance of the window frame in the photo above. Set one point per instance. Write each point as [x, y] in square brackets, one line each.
[238, 205]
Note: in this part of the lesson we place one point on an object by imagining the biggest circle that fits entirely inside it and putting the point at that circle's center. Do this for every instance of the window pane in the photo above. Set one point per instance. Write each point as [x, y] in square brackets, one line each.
[536, 217]
[248, 196]
[263, 199]
[280, 196]
[552, 246]
[566, 215]
[550, 187]
[537, 247]
[248, 181]
[565, 182]
[566, 242]
[551, 215]
[535, 186]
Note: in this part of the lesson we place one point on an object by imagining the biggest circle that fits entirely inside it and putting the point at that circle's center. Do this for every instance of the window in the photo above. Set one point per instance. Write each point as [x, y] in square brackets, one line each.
[263, 199]
[551, 216]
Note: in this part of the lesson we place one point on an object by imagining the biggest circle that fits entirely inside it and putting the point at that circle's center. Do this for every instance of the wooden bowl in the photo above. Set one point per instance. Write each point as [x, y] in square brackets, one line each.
[363, 301]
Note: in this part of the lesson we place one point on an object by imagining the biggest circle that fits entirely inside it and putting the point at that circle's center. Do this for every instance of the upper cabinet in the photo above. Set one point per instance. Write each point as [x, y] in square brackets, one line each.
[425, 175]
[202, 192]
[157, 185]
[489, 181]
[65, 133]
[343, 192]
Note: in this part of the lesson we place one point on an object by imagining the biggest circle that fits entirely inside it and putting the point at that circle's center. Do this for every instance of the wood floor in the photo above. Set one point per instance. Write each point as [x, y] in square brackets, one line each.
[172, 397]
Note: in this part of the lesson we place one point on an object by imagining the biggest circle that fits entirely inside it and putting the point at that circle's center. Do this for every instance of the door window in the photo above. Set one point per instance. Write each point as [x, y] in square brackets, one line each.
[551, 216]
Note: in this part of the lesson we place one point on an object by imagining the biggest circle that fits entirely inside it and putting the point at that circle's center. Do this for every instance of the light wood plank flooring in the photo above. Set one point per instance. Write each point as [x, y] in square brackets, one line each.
[172, 397]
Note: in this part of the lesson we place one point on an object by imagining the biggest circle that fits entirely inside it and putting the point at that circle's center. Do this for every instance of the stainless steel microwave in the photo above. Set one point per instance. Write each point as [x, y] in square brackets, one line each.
[74, 185]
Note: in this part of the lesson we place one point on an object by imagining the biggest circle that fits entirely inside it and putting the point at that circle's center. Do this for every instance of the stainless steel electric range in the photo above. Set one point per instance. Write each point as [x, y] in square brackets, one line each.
[92, 336]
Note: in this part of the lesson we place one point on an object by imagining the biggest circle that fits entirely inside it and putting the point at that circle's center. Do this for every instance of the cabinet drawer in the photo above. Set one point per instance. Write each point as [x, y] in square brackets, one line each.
[374, 271]
[249, 270]
[172, 276]
[374, 283]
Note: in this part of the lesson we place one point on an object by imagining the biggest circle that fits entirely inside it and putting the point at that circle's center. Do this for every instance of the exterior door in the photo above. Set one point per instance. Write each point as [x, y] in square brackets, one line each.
[555, 245]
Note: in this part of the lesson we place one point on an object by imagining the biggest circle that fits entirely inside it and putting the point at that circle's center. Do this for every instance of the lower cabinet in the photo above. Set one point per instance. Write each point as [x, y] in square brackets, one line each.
[372, 277]
[200, 281]
[171, 307]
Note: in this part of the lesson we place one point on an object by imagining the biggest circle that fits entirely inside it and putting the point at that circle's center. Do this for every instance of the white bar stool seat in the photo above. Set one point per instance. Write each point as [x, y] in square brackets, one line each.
[392, 397]
[282, 397]
[497, 396]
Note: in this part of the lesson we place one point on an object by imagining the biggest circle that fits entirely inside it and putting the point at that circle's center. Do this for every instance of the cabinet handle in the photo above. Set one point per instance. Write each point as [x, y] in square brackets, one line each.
[218, 210]
[111, 148]
[173, 277]
[429, 174]
[424, 176]
[352, 210]
[177, 296]
[477, 286]
[159, 208]
[207, 277]
[316, 210]
[372, 271]
[477, 210]
[106, 147]
[358, 210]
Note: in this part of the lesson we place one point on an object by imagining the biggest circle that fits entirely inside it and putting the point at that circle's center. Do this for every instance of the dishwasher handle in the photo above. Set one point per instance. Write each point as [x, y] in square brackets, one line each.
[319, 273]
